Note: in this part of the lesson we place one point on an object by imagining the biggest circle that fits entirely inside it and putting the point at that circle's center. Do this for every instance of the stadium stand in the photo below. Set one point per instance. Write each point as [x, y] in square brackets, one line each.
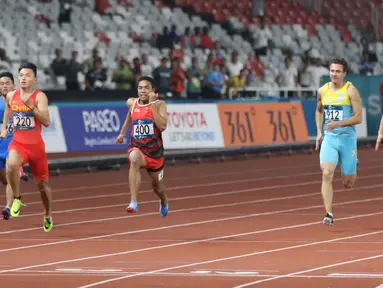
[124, 31]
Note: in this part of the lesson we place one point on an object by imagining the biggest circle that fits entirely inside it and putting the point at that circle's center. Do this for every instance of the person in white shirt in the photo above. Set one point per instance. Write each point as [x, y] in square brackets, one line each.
[288, 78]
[261, 41]
[146, 67]
[233, 66]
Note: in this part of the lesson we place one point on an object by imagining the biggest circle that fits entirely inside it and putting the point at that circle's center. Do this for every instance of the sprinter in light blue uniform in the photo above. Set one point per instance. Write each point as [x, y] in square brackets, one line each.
[6, 86]
[340, 108]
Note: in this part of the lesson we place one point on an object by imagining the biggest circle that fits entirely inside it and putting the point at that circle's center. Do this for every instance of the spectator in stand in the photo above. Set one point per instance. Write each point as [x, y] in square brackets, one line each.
[196, 37]
[234, 67]
[96, 77]
[177, 78]
[317, 71]
[72, 69]
[136, 68]
[195, 78]
[164, 41]
[261, 42]
[215, 82]
[5, 63]
[58, 66]
[123, 76]
[162, 76]
[366, 67]
[220, 52]
[177, 52]
[305, 78]
[186, 40]
[206, 42]
[288, 78]
[89, 63]
[65, 11]
[146, 67]
[237, 83]
[173, 34]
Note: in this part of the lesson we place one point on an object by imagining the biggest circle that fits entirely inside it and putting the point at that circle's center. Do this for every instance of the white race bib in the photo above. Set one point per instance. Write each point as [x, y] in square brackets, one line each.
[23, 120]
[143, 128]
[9, 128]
[333, 113]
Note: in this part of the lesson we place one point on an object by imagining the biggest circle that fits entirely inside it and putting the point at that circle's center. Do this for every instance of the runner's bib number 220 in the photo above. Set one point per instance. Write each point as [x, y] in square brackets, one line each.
[23, 120]
[143, 128]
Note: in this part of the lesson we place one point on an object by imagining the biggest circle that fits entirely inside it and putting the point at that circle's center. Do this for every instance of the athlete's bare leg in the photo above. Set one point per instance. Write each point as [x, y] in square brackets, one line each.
[8, 189]
[46, 196]
[348, 180]
[137, 161]
[160, 190]
[327, 191]
[159, 186]
[14, 161]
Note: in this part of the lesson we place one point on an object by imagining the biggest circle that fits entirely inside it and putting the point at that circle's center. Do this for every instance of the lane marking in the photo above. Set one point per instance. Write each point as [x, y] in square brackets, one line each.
[212, 239]
[190, 197]
[312, 269]
[357, 275]
[238, 257]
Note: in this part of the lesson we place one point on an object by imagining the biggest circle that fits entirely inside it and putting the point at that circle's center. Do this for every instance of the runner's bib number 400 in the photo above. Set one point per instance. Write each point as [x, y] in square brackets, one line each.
[23, 120]
[143, 128]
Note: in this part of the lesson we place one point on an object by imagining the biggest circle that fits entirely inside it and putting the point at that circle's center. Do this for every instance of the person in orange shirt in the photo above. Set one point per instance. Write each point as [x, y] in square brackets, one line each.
[177, 78]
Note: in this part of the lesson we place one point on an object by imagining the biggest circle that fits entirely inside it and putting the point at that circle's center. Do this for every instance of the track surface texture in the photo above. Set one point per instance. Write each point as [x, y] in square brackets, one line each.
[242, 223]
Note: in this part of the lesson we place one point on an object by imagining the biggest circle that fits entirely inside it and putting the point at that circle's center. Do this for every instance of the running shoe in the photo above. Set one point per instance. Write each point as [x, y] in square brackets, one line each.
[132, 208]
[15, 209]
[48, 224]
[164, 210]
[6, 213]
[328, 219]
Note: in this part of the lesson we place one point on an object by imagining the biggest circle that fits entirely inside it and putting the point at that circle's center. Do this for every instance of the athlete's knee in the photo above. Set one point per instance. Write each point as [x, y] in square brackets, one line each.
[348, 182]
[327, 174]
[42, 186]
[135, 159]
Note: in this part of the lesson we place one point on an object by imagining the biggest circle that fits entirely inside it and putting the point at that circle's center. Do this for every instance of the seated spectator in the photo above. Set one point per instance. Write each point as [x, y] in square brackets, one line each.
[123, 76]
[234, 66]
[137, 68]
[196, 37]
[89, 63]
[164, 40]
[237, 83]
[173, 34]
[96, 77]
[195, 77]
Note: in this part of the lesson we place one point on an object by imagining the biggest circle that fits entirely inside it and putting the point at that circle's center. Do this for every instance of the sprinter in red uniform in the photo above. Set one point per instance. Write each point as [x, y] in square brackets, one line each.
[146, 150]
[29, 108]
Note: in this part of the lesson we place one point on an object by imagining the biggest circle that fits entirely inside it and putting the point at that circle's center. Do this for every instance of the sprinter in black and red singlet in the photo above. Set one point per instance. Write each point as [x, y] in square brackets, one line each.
[148, 115]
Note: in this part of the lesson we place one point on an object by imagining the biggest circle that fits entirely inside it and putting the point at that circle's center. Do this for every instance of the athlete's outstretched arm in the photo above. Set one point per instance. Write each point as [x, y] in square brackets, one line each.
[41, 111]
[128, 118]
[319, 117]
[160, 114]
[354, 95]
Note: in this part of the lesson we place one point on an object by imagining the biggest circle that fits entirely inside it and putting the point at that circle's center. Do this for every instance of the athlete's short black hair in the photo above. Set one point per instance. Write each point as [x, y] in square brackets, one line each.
[29, 65]
[340, 61]
[9, 75]
[149, 79]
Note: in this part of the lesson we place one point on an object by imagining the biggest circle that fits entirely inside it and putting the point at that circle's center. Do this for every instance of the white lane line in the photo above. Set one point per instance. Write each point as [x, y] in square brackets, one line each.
[236, 257]
[153, 248]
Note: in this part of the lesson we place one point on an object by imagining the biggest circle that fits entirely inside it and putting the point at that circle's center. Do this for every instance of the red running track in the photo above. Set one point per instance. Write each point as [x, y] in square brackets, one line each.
[226, 228]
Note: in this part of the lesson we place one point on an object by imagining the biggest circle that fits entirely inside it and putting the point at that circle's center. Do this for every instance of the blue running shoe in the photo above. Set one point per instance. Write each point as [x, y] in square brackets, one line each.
[164, 210]
[132, 208]
[6, 213]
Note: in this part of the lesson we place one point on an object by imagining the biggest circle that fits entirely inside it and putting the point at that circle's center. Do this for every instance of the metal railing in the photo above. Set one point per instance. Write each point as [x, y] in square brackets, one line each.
[272, 92]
